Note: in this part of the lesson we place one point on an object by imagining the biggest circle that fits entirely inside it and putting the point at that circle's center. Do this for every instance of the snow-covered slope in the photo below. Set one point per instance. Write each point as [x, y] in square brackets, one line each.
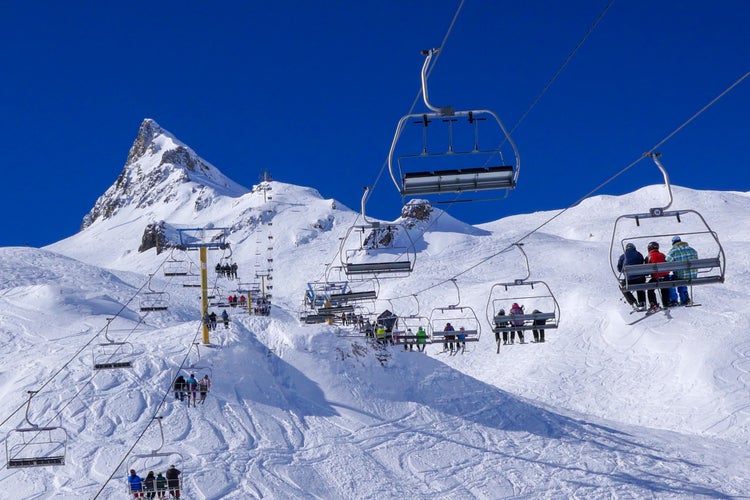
[602, 409]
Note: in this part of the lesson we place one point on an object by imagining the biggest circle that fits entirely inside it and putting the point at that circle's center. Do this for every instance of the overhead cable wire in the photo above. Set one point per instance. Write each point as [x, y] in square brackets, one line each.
[411, 110]
[163, 399]
[591, 192]
[77, 353]
[561, 67]
[75, 356]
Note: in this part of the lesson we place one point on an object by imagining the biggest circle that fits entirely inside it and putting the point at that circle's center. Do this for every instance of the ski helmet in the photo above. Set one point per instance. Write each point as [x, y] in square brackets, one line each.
[653, 246]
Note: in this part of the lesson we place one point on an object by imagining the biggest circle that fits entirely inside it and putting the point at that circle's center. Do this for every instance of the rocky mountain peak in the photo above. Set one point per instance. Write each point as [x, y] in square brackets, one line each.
[161, 169]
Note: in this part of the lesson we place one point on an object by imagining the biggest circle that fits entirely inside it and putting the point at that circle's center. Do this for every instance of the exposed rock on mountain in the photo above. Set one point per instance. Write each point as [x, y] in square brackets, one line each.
[159, 169]
[154, 236]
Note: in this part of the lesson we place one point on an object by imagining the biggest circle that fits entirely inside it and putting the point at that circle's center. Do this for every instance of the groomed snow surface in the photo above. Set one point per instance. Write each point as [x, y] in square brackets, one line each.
[602, 409]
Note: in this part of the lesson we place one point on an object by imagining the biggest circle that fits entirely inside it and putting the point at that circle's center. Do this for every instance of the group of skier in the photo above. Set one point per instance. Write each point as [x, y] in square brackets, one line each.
[210, 319]
[509, 337]
[670, 296]
[189, 389]
[227, 270]
[155, 486]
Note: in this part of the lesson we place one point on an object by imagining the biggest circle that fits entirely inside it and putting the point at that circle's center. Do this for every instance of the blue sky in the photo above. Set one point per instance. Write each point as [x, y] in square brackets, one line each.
[312, 91]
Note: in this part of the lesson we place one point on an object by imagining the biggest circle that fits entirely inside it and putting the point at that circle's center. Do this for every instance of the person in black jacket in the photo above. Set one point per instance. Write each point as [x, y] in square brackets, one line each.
[633, 257]
[538, 332]
[173, 481]
[149, 485]
[179, 388]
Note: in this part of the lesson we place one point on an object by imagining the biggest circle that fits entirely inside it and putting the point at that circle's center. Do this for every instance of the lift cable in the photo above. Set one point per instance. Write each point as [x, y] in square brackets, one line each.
[589, 194]
[562, 67]
[411, 110]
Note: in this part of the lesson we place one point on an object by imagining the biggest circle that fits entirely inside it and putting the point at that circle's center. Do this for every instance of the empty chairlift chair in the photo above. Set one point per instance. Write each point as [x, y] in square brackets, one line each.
[443, 151]
[112, 354]
[35, 446]
[152, 300]
[384, 250]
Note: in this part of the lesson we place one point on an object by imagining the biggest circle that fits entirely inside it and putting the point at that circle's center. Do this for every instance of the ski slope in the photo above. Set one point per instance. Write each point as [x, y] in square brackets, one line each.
[602, 409]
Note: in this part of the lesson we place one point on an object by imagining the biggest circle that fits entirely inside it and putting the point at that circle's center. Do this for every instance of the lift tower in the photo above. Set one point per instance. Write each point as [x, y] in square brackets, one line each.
[202, 239]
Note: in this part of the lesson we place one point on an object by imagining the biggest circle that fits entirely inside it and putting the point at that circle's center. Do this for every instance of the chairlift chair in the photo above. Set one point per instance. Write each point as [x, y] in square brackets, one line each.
[191, 276]
[175, 267]
[112, 354]
[534, 295]
[457, 316]
[445, 154]
[384, 250]
[660, 225]
[318, 293]
[158, 460]
[357, 293]
[406, 332]
[35, 446]
[152, 300]
[199, 369]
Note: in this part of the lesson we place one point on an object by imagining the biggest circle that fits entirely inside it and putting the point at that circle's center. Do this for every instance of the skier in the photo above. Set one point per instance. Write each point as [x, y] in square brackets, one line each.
[225, 318]
[633, 257]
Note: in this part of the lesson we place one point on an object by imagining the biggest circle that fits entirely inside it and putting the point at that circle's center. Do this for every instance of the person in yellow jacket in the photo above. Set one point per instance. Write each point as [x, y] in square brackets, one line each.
[380, 334]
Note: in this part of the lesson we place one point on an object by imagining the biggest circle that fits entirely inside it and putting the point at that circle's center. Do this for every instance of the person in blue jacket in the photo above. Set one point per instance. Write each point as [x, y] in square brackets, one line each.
[679, 252]
[136, 484]
[633, 257]
[192, 388]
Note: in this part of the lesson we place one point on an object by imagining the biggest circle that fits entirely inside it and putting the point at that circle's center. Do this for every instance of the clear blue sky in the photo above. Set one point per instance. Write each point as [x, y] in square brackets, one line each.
[312, 91]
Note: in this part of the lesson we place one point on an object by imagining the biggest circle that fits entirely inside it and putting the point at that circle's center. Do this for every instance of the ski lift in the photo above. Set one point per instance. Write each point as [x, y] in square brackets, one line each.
[159, 460]
[353, 294]
[191, 276]
[663, 225]
[153, 300]
[407, 328]
[457, 316]
[382, 251]
[535, 295]
[175, 267]
[200, 370]
[446, 154]
[111, 354]
[35, 446]
[319, 293]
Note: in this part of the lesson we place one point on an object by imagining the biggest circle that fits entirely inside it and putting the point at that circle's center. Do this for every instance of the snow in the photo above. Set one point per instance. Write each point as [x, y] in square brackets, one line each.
[602, 409]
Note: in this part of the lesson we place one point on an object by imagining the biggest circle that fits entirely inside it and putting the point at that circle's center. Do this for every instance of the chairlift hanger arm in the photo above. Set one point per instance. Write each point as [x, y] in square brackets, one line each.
[659, 211]
[442, 111]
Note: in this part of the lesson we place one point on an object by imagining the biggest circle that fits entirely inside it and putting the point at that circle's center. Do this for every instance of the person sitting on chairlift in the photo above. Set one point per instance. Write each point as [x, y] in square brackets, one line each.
[149, 485]
[461, 343]
[655, 257]
[204, 385]
[136, 484]
[679, 252]
[173, 481]
[538, 332]
[501, 324]
[448, 337]
[632, 257]
[516, 310]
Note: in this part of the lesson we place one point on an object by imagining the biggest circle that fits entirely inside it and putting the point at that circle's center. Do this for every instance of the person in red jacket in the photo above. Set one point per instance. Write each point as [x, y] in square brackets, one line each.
[654, 257]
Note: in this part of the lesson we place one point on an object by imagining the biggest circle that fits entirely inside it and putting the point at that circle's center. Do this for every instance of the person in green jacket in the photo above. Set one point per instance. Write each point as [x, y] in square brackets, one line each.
[421, 339]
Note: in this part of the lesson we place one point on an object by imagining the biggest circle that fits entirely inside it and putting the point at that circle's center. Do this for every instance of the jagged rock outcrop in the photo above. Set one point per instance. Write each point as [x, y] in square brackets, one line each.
[156, 167]
[416, 210]
[154, 236]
